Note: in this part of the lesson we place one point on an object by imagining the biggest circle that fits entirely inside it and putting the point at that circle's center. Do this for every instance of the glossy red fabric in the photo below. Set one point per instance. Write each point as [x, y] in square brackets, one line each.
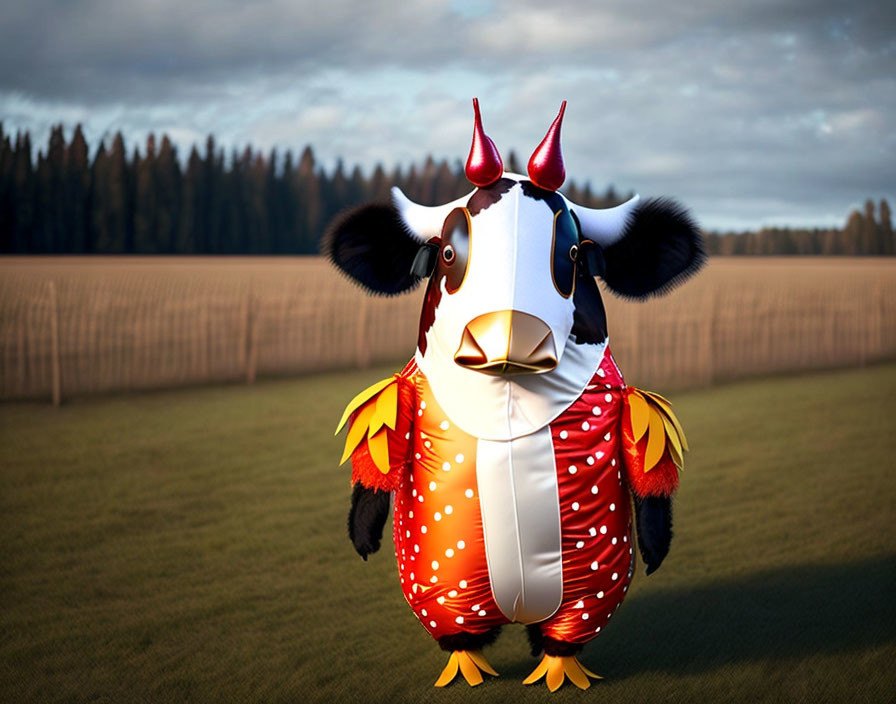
[437, 524]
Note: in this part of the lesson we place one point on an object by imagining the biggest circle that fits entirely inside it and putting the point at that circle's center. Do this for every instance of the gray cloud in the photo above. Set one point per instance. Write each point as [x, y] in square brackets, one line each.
[757, 113]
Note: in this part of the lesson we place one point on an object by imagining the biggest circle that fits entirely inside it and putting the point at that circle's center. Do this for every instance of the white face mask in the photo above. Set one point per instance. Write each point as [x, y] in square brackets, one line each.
[508, 268]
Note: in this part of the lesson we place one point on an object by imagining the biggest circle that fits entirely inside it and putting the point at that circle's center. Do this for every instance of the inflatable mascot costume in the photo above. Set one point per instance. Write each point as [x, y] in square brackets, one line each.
[510, 442]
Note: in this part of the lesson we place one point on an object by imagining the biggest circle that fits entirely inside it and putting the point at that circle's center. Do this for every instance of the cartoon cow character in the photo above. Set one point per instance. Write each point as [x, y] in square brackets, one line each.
[510, 442]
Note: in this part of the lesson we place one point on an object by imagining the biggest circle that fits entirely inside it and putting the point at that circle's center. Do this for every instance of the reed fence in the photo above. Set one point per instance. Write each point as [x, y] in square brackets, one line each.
[74, 326]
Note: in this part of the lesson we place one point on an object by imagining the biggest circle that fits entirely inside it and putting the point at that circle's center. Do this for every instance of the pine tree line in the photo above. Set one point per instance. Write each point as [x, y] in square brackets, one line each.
[864, 233]
[150, 202]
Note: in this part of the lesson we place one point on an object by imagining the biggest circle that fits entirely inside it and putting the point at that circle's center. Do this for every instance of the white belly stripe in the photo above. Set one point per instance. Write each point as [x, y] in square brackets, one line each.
[520, 505]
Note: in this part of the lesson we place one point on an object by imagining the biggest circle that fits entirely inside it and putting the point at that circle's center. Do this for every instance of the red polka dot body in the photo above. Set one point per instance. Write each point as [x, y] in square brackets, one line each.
[442, 541]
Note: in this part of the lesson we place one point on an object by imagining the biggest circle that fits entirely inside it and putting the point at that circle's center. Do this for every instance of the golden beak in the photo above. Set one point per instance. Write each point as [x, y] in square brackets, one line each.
[507, 342]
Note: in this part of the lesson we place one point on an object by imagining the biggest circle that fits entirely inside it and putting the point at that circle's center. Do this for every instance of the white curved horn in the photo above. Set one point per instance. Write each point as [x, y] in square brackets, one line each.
[424, 222]
[605, 225]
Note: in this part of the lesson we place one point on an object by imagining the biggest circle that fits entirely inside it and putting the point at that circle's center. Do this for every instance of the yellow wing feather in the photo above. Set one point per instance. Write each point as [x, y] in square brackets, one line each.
[379, 450]
[656, 440]
[356, 432]
[377, 409]
[640, 414]
[361, 399]
[651, 413]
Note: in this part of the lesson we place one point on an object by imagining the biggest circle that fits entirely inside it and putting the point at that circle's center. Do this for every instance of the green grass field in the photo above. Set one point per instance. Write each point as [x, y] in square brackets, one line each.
[190, 546]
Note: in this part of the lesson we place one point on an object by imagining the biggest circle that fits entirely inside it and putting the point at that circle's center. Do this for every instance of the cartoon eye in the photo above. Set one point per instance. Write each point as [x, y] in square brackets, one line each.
[455, 248]
[564, 252]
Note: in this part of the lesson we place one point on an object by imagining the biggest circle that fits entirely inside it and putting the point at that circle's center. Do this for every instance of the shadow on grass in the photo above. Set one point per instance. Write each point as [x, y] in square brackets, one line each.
[792, 612]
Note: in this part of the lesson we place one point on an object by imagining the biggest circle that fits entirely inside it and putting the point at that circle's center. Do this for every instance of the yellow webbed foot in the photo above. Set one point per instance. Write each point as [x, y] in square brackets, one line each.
[470, 663]
[556, 668]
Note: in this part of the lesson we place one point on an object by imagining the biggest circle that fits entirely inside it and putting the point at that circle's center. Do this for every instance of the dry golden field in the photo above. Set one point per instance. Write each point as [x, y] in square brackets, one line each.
[77, 325]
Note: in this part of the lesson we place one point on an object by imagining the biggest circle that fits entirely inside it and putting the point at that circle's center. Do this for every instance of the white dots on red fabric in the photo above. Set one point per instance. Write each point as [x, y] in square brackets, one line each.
[612, 507]
[475, 607]
[469, 493]
[462, 584]
[594, 565]
[441, 600]
[591, 531]
[575, 505]
[607, 437]
[608, 398]
[563, 435]
[432, 623]
[599, 454]
[572, 469]
[585, 616]
[446, 466]
[423, 404]
[580, 544]
[624, 538]
[586, 426]
[594, 489]
[481, 612]
[612, 463]
[434, 579]
[410, 514]
[579, 604]
[601, 372]
[417, 455]
[596, 410]
[603, 530]
[458, 458]
[461, 545]
[449, 553]
[614, 576]
[444, 425]
[420, 498]
[432, 486]
[597, 630]
[414, 492]
[416, 548]
[423, 612]
[600, 595]
[589, 460]
[412, 579]
[459, 619]
[407, 534]
[437, 516]
[625, 589]
[423, 529]
[407, 436]
[419, 413]
[452, 593]
[614, 541]
[435, 564]
[427, 445]
[449, 509]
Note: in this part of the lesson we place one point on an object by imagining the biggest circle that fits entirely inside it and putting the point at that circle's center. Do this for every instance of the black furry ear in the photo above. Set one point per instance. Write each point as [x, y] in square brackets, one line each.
[374, 247]
[661, 247]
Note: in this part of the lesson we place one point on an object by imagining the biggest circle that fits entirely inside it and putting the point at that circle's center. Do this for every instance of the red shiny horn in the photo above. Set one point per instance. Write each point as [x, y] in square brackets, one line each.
[484, 165]
[546, 168]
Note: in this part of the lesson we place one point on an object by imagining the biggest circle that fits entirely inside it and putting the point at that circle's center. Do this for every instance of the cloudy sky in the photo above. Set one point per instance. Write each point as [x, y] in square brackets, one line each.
[753, 113]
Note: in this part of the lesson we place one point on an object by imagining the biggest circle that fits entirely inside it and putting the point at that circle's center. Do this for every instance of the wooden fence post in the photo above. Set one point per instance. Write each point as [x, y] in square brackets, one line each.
[54, 346]
[251, 340]
[362, 344]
